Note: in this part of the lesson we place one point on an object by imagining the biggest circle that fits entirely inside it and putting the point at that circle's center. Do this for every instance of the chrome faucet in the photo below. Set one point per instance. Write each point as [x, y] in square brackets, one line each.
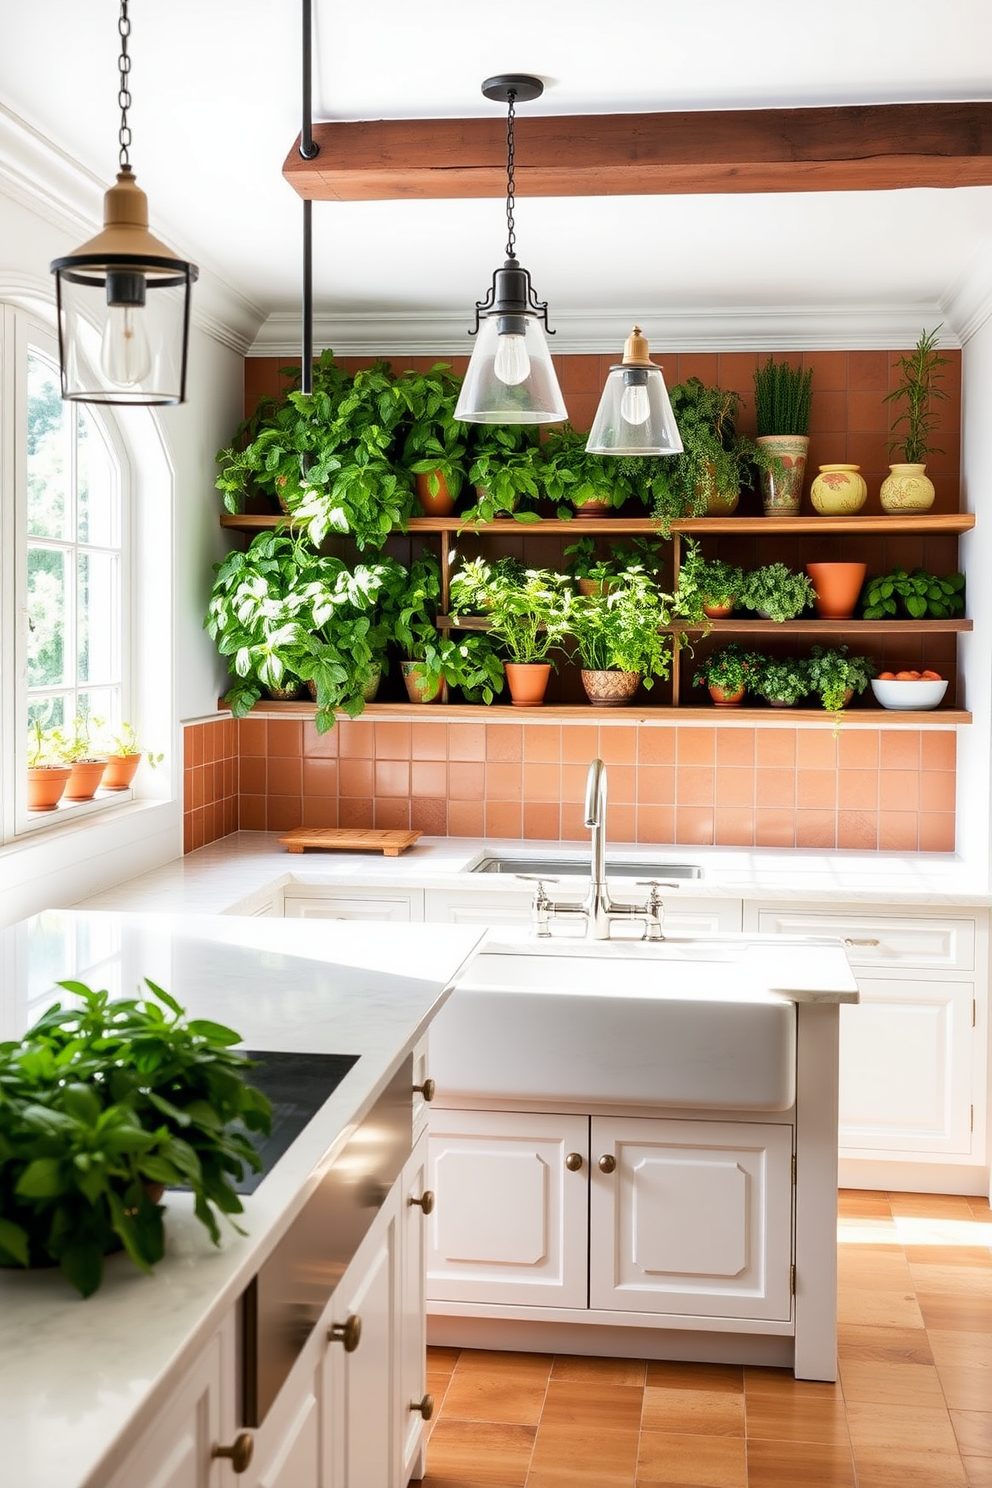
[598, 909]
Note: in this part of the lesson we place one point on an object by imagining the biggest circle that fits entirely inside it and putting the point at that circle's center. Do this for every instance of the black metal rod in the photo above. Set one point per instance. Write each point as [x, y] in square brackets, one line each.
[306, 361]
[307, 147]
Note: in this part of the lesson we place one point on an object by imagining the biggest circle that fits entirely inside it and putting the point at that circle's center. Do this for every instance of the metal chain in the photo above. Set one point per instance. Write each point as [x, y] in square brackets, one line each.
[124, 92]
[511, 236]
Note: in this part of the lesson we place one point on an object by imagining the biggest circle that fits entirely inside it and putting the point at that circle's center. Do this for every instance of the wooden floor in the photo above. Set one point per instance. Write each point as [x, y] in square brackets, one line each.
[912, 1407]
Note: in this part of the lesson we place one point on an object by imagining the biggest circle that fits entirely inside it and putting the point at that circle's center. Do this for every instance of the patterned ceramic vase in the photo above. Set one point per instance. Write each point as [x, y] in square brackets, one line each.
[782, 493]
[838, 490]
[907, 488]
[610, 689]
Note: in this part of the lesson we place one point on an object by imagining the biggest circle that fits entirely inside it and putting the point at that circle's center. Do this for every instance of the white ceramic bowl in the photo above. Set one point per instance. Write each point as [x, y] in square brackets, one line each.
[908, 694]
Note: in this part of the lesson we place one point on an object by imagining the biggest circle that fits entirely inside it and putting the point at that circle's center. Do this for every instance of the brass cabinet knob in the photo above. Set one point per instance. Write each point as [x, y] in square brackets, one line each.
[428, 1090]
[426, 1201]
[573, 1162]
[240, 1451]
[349, 1333]
[425, 1407]
[607, 1163]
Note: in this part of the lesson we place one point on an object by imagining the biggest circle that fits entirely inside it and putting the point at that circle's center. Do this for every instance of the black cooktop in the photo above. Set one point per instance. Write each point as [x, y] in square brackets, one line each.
[297, 1085]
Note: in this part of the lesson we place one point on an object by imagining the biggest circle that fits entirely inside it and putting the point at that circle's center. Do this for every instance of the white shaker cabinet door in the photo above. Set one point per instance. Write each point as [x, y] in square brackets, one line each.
[288, 1450]
[692, 1218]
[316, 903]
[413, 1406]
[509, 1222]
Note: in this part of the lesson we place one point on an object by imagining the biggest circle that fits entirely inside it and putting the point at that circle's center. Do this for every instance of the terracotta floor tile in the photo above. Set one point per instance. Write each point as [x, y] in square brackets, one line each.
[863, 1201]
[782, 1418]
[678, 1376]
[973, 1430]
[502, 1398]
[890, 1384]
[962, 1282]
[903, 1428]
[882, 1309]
[592, 1405]
[702, 1412]
[586, 1453]
[784, 1464]
[703, 1461]
[966, 1389]
[441, 1360]
[493, 1362]
[782, 1382]
[899, 1469]
[874, 1268]
[957, 1314]
[482, 1455]
[566, 1477]
[978, 1471]
[884, 1345]
[950, 1255]
[966, 1350]
[610, 1371]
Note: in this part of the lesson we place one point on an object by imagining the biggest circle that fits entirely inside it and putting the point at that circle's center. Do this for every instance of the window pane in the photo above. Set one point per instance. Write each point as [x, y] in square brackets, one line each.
[46, 617]
[96, 502]
[47, 451]
[96, 636]
[49, 712]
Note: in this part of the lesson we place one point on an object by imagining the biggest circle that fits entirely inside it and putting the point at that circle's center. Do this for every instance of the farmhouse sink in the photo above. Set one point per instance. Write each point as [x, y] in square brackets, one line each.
[691, 1024]
[553, 867]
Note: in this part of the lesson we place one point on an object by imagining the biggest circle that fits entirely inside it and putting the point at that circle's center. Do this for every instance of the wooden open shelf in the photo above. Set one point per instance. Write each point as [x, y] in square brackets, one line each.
[946, 522]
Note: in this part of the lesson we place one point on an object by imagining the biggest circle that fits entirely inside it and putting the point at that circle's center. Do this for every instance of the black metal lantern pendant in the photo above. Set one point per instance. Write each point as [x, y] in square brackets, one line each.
[510, 378]
[123, 296]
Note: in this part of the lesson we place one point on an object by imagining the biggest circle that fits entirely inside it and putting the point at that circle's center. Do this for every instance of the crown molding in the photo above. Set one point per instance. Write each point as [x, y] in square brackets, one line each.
[39, 176]
[700, 328]
[967, 304]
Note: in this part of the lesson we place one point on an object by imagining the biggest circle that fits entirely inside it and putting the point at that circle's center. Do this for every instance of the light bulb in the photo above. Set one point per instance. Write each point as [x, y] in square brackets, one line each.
[511, 365]
[125, 356]
[635, 405]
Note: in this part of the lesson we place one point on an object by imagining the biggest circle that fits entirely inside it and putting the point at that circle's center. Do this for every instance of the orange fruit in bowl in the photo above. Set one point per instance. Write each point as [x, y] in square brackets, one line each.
[886, 676]
[907, 676]
[931, 676]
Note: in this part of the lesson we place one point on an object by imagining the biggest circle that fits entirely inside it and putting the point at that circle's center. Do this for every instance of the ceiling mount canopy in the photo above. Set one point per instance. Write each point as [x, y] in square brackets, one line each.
[123, 296]
[510, 378]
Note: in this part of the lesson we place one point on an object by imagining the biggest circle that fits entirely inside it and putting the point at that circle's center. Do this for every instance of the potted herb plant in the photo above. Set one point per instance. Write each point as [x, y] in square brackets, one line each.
[506, 473]
[707, 477]
[433, 659]
[775, 592]
[781, 683]
[782, 401]
[719, 584]
[918, 594]
[907, 487]
[47, 771]
[86, 765]
[527, 621]
[580, 483]
[472, 584]
[104, 1102]
[835, 676]
[593, 573]
[618, 638]
[729, 673]
[124, 753]
[435, 446]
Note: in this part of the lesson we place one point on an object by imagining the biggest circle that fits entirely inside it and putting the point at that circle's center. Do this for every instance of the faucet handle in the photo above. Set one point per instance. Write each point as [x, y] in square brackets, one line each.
[658, 883]
[538, 878]
[542, 904]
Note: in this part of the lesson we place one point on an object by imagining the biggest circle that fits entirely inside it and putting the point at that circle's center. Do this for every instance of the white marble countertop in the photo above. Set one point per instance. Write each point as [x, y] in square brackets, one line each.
[80, 1379]
[235, 874]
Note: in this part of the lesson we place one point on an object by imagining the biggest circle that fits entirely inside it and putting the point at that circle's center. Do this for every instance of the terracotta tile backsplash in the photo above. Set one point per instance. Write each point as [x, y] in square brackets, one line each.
[689, 784]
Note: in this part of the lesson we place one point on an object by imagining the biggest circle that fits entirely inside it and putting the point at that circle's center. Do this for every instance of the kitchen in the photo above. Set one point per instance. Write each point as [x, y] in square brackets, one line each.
[49, 202]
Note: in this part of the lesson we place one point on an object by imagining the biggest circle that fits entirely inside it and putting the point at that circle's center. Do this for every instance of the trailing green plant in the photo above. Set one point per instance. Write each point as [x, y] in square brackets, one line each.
[776, 592]
[621, 630]
[584, 558]
[719, 583]
[103, 1100]
[782, 398]
[467, 661]
[570, 475]
[781, 681]
[506, 473]
[919, 390]
[730, 667]
[348, 618]
[529, 619]
[919, 594]
[833, 673]
[435, 444]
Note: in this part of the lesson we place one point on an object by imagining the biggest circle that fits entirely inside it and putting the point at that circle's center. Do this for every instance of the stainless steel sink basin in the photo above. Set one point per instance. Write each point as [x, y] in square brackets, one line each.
[579, 867]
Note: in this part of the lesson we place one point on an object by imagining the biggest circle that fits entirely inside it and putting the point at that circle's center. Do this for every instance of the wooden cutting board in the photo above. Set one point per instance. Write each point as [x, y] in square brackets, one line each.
[390, 842]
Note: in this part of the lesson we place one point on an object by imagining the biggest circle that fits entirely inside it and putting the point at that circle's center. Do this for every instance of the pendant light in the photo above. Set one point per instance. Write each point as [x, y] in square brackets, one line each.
[510, 378]
[635, 416]
[123, 297]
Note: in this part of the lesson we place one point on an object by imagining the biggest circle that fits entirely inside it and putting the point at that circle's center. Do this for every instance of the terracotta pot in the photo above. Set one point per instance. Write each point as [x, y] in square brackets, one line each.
[45, 786]
[592, 509]
[292, 690]
[84, 780]
[725, 699]
[441, 504]
[610, 689]
[593, 588]
[907, 488]
[781, 703]
[418, 690]
[837, 588]
[782, 495]
[838, 490]
[370, 687]
[722, 503]
[718, 611]
[527, 682]
[119, 771]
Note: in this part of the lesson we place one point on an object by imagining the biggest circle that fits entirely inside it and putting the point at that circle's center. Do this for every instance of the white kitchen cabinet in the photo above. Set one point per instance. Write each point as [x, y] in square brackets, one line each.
[684, 915]
[913, 1052]
[413, 1405]
[287, 1444]
[316, 901]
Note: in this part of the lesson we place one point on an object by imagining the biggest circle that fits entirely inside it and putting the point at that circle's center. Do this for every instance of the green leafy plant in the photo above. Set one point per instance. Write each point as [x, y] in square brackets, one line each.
[570, 476]
[782, 398]
[506, 473]
[584, 559]
[528, 619]
[919, 390]
[919, 594]
[103, 1101]
[781, 681]
[731, 668]
[832, 673]
[43, 752]
[123, 740]
[719, 583]
[468, 662]
[73, 745]
[776, 592]
[435, 445]
[620, 630]
[473, 583]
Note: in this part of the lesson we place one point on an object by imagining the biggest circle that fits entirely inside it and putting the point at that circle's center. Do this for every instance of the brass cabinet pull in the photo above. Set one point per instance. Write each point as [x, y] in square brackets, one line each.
[349, 1333]
[849, 940]
[428, 1090]
[607, 1163]
[573, 1162]
[426, 1201]
[240, 1451]
[425, 1407]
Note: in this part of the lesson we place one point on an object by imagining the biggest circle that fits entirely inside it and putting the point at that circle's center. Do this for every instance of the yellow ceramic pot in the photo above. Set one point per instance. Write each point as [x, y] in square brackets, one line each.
[907, 488]
[838, 490]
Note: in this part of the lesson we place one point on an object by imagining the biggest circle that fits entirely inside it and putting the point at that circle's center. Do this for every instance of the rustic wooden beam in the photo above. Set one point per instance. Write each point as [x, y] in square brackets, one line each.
[877, 147]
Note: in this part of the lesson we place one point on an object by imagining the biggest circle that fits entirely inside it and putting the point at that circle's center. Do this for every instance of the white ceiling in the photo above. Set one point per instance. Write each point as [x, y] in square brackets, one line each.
[216, 87]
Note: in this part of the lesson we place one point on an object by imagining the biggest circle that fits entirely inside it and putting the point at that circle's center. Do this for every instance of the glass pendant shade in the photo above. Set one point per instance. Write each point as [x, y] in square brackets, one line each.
[510, 378]
[124, 309]
[635, 415]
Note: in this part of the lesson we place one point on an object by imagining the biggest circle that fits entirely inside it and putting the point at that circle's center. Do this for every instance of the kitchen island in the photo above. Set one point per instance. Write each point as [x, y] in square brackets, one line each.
[82, 1382]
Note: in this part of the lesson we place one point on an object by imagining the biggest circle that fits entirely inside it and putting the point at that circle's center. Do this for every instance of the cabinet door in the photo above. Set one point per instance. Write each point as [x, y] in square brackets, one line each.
[906, 1068]
[287, 1446]
[695, 1218]
[400, 905]
[509, 1222]
[361, 1447]
[477, 907]
[177, 1451]
[415, 1204]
